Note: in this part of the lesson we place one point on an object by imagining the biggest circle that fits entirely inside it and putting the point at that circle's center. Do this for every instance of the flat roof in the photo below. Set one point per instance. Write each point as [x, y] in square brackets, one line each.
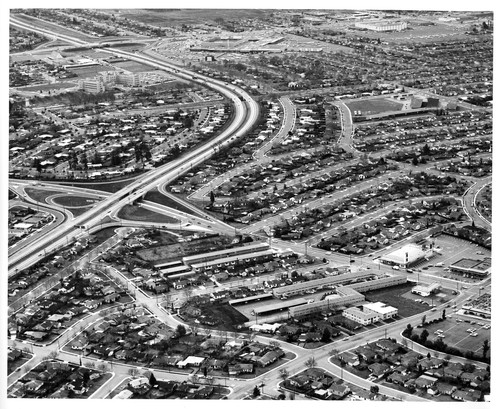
[470, 264]
[279, 306]
[233, 258]
[321, 282]
[219, 253]
[380, 307]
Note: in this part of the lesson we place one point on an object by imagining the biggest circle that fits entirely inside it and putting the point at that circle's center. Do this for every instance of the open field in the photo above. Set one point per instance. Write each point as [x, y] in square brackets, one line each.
[48, 87]
[374, 106]
[40, 195]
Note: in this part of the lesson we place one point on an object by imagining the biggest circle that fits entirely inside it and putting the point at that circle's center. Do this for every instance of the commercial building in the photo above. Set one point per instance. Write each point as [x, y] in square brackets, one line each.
[380, 26]
[406, 256]
[213, 255]
[281, 306]
[478, 268]
[425, 290]
[383, 311]
[259, 256]
[321, 283]
[361, 316]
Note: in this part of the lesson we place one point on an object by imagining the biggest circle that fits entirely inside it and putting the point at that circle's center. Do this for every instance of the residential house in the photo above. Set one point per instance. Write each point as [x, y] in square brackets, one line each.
[339, 391]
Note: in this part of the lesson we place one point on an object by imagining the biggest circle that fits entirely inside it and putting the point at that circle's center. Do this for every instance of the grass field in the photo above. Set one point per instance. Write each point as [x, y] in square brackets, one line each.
[40, 195]
[48, 87]
[374, 106]
[75, 201]
[138, 214]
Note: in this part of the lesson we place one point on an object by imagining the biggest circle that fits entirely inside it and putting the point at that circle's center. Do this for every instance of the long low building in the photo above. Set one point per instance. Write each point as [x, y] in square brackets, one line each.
[473, 267]
[348, 295]
[331, 303]
[383, 282]
[258, 256]
[298, 288]
[214, 255]
[271, 308]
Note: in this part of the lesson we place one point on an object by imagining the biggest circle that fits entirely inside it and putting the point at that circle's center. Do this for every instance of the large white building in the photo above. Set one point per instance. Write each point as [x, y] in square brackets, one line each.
[406, 256]
[383, 311]
[376, 25]
[361, 316]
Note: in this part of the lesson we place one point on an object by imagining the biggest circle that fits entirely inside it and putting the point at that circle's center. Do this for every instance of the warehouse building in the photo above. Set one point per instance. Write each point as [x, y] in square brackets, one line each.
[380, 26]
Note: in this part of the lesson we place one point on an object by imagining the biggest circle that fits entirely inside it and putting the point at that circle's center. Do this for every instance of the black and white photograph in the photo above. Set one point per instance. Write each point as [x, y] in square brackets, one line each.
[260, 202]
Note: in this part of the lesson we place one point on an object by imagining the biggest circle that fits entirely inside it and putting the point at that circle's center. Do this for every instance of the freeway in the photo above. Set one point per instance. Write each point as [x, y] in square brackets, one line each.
[469, 203]
[246, 113]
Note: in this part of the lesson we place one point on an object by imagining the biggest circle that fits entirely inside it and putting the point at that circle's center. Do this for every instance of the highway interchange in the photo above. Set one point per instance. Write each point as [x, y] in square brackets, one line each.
[70, 228]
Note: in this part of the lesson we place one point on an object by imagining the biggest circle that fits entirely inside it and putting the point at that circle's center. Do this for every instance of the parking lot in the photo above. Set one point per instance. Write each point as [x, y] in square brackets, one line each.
[452, 249]
[455, 333]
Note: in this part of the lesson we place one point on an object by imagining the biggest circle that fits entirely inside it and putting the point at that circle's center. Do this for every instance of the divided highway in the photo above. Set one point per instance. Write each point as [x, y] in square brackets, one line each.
[245, 115]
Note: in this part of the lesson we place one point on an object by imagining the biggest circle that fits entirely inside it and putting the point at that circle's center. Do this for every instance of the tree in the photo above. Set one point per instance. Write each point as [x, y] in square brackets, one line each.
[181, 330]
[424, 335]
[374, 389]
[152, 379]
[256, 391]
[415, 161]
[444, 314]
[486, 348]
[311, 362]
[326, 335]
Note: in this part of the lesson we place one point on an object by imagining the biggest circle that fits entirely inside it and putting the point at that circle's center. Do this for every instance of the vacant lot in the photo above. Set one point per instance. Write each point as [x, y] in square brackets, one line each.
[374, 106]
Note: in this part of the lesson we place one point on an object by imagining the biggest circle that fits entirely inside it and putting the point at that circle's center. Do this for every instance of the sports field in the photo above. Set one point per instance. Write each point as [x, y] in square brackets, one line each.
[374, 106]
